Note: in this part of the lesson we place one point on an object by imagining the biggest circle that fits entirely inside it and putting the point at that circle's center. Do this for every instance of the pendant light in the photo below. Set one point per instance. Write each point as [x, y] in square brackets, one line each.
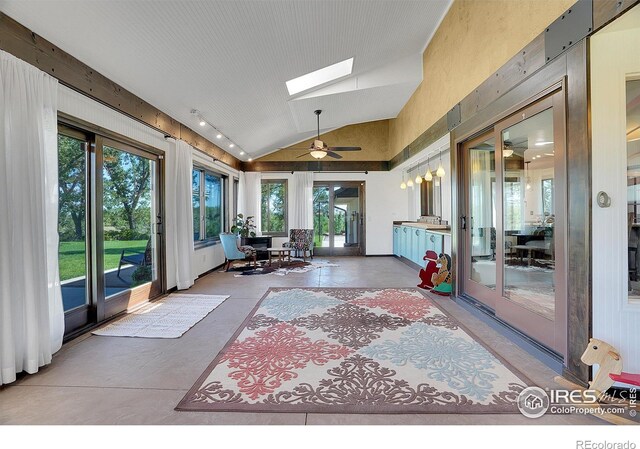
[428, 176]
[410, 182]
[403, 185]
[440, 172]
[526, 174]
[418, 179]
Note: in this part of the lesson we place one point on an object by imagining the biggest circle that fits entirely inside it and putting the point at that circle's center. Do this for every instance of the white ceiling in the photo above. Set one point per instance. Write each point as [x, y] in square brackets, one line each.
[230, 59]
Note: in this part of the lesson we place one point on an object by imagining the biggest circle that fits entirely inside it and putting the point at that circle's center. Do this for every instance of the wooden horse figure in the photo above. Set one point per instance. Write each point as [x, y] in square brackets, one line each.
[429, 270]
[441, 280]
[610, 363]
[608, 358]
[603, 354]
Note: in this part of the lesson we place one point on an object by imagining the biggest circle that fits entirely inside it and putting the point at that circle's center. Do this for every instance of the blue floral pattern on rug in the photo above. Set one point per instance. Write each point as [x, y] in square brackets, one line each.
[289, 304]
[463, 364]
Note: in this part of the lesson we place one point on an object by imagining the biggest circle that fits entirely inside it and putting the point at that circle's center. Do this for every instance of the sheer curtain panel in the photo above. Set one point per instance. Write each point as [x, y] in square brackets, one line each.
[251, 194]
[31, 314]
[183, 211]
[302, 201]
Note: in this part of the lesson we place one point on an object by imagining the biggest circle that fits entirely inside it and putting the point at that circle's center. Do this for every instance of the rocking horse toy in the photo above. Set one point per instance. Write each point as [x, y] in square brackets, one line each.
[429, 270]
[436, 275]
[609, 361]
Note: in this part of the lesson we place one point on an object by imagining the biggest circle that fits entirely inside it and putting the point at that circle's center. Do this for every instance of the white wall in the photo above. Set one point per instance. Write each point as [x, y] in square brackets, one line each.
[82, 107]
[384, 203]
[614, 56]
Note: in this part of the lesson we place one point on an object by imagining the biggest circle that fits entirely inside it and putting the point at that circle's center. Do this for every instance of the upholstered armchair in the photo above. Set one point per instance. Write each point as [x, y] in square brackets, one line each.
[300, 240]
[234, 252]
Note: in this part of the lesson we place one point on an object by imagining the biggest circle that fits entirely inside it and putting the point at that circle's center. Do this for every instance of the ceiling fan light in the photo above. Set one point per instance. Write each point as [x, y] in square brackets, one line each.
[418, 179]
[318, 154]
[440, 172]
[507, 152]
[428, 176]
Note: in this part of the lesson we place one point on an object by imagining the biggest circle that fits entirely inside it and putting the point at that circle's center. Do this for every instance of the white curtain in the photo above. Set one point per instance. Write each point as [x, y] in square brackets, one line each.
[301, 196]
[31, 312]
[251, 194]
[181, 170]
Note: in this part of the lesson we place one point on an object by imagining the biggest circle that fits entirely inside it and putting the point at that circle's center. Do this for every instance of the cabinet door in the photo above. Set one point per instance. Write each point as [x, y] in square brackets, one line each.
[419, 249]
[404, 241]
[396, 237]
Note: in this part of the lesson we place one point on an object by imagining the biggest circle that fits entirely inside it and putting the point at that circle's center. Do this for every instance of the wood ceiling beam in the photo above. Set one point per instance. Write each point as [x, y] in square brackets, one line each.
[24, 44]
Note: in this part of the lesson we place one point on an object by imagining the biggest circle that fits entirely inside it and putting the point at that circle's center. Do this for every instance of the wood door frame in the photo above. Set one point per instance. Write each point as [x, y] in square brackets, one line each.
[552, 333]
[549, 81]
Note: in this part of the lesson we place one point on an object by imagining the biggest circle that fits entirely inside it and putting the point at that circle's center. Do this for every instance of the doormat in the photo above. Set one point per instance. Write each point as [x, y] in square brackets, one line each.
[169, 317]
[354, 350]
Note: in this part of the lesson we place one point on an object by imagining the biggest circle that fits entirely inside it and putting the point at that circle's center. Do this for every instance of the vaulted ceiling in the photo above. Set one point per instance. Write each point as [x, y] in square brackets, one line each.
[230, 59]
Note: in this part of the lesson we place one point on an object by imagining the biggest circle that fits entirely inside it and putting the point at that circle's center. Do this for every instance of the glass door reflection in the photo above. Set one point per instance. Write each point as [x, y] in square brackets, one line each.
[529, 214]
[130, 218]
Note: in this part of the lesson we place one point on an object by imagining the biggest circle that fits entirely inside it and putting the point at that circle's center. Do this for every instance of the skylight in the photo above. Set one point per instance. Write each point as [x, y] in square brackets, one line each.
[321, 76]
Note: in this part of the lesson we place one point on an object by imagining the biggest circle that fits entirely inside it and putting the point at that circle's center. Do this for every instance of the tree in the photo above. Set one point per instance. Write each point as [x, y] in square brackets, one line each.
[273, 201]
[126, 182]
[71, 182]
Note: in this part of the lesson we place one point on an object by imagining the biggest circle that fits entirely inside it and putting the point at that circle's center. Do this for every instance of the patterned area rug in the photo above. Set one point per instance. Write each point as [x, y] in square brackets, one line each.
[169, 317]
[350, 350]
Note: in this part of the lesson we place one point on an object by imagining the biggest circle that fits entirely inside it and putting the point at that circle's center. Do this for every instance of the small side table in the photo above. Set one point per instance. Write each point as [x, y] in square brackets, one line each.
[282, 252]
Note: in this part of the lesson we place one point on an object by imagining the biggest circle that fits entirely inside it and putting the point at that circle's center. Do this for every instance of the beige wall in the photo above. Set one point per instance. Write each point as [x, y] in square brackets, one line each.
[372, 137]
[474, 40]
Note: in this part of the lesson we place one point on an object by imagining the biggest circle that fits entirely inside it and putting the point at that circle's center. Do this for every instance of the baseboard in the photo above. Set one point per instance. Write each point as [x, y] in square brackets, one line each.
[379, 255]
[211, 270]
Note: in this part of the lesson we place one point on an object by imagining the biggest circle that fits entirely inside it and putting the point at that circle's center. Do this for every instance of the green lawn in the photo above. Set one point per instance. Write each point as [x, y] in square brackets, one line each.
[72, 256]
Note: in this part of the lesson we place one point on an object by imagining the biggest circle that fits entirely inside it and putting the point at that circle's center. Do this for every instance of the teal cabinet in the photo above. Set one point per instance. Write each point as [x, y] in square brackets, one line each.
[412, 243]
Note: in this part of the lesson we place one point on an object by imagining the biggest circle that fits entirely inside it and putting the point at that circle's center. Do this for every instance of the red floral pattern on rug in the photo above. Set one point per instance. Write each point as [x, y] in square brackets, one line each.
[404, 304]
[271, 357]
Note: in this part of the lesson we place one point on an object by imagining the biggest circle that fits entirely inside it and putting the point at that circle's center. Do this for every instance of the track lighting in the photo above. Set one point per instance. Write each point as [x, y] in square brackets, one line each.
[203, 122]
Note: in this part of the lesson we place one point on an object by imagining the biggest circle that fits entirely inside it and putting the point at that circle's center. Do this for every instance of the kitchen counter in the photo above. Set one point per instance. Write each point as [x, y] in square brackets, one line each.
[436, 229]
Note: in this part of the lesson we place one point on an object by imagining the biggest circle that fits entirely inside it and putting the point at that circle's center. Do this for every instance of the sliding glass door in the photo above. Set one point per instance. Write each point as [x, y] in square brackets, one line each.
[514, 251]
[73, 253]
[338, 218]
[130, 224]
[110, 225]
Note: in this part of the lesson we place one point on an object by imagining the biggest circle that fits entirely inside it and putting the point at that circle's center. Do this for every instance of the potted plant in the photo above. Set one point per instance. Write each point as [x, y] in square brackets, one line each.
[243, 227]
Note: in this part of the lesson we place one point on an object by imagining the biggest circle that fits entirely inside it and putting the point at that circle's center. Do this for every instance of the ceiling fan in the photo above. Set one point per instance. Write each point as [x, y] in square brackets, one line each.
[319, 149]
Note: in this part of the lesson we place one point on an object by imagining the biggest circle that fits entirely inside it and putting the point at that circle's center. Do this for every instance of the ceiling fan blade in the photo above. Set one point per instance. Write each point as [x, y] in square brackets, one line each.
[333, 155]
[303, 155]
[345, 148]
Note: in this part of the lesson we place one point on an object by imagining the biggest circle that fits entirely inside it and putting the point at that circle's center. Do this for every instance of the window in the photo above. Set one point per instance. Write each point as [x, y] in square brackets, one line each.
[274, 207]
[208, 205]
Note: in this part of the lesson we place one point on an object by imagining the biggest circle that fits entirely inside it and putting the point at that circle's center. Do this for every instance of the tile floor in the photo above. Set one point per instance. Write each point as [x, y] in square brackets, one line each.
[119, 380]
